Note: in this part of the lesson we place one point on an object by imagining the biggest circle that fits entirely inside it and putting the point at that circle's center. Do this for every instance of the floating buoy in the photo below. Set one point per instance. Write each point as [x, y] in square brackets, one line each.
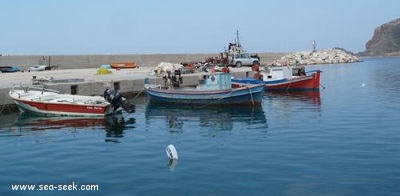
[171, 152]
[172, 164]
[363, 84]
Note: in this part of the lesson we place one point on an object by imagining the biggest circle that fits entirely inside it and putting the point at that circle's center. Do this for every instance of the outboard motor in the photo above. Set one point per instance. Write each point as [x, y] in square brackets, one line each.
[116, 100]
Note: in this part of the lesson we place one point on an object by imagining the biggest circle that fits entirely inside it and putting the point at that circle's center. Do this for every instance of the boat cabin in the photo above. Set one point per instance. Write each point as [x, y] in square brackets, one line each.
[217, 81]
[278, 73]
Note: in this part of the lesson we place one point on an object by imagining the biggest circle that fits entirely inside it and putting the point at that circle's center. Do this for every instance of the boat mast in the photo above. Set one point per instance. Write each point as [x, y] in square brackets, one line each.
[237, 38]
[239, 48]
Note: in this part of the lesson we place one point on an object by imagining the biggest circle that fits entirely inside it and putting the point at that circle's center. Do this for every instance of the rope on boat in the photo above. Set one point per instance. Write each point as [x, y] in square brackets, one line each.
[3, 107]
[205, 105]
[287, 89]
[251, 95]
[137, 95]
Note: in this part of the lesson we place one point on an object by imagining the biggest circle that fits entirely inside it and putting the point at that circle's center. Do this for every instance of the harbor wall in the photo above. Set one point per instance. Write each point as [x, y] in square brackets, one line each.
[94, 61]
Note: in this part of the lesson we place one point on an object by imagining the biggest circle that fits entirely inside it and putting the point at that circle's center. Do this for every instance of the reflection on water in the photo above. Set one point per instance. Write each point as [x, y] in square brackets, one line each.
[285, 106]
[217, 118]
[172, 164]
[387, 84]
[114, 125]
[312, 97]
[36, 123]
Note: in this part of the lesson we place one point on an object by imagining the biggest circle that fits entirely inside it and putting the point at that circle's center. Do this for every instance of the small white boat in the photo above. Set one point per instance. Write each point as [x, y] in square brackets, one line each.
[38, 68]
[45, 102]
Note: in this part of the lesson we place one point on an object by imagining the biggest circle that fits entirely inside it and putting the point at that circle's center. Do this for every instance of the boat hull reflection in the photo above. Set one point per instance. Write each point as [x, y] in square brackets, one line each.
[219, 118]
[312, 97]
[114, 125]
[45, 123]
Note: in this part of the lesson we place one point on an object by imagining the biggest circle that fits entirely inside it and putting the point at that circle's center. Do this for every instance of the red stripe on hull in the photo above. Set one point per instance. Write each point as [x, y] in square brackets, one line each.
[57, 107]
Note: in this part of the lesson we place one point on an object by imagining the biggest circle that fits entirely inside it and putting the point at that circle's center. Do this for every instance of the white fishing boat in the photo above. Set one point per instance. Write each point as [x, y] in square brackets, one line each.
[38, 68]
[45, 102]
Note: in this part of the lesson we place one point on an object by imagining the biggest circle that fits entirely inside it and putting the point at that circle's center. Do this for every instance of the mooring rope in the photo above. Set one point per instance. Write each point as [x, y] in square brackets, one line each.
[205, 105]
[4, 106]
[137, 95]
[251, 95]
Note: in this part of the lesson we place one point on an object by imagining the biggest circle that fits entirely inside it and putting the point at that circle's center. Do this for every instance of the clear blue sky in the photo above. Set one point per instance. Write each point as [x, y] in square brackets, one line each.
[184, 26]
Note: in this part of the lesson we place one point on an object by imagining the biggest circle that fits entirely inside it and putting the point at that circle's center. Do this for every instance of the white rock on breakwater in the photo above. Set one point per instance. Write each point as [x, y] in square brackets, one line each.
[331, 56]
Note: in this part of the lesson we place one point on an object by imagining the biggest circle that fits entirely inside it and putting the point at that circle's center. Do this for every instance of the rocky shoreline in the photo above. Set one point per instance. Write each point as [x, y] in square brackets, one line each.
[385, 41]
[330, 56]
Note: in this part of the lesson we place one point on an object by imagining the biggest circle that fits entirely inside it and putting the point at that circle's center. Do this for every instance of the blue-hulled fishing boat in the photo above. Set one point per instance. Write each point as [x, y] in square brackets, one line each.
[9, 69]
[213, 89]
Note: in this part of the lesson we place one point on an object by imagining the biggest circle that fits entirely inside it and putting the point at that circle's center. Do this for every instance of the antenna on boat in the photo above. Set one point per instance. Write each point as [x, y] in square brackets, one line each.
[237, 39]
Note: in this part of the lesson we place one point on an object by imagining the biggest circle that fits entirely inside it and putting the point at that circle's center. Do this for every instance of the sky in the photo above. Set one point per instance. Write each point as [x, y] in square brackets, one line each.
[50, 27]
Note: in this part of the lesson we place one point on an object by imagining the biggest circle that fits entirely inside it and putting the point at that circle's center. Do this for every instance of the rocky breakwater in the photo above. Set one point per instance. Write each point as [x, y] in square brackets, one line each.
[331, 56]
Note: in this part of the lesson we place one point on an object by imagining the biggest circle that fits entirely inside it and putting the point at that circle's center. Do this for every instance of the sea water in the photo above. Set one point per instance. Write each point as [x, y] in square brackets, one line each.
[341, 140]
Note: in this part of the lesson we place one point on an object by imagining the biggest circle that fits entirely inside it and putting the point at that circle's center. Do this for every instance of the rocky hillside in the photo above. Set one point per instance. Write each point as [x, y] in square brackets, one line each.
[385, 41]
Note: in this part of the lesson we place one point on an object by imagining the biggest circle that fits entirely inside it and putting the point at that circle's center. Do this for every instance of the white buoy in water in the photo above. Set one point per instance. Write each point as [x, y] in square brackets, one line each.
[363, 84]
[171, 152]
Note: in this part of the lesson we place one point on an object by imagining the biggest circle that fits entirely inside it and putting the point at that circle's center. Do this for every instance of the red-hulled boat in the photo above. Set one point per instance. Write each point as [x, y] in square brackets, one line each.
[50, 103]
[123, 65]
[285, 78]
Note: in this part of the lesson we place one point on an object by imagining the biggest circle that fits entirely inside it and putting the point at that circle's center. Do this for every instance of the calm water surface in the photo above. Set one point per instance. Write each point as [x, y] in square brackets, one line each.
[342, 140]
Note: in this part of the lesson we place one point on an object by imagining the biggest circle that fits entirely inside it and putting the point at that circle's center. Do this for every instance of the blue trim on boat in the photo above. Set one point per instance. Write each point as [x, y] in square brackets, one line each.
[255, 81]
[247, 95]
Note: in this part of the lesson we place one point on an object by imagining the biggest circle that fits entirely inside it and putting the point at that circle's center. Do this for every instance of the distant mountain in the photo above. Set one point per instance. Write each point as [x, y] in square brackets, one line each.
[386, 40]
